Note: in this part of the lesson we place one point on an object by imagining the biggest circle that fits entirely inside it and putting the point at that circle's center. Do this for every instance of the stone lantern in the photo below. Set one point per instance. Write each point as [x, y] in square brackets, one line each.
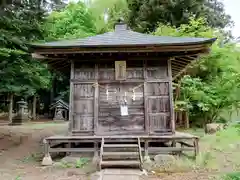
[22, 114]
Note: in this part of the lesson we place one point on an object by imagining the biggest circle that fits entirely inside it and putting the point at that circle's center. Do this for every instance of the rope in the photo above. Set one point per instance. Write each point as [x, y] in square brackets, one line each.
[131, 89]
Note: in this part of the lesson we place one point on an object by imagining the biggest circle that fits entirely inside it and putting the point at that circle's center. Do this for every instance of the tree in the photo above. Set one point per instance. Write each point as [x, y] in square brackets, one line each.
[145, 15]
[20, 23]
[214, 83]
[73, 21]
[106, 13]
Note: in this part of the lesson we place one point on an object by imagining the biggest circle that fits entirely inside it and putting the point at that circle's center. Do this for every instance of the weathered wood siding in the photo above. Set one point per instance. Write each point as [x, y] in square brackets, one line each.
[97, 97]
[157, 95]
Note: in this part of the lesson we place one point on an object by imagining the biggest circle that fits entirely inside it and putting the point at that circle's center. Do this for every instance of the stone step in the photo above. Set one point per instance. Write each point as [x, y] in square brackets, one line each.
[128, 163]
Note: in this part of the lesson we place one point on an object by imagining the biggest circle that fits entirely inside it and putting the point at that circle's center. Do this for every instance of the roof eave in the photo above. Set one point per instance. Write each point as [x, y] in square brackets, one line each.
[39, 46]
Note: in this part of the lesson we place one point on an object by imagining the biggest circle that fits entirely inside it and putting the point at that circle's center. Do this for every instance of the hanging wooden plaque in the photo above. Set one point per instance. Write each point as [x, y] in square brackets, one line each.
[120, 70]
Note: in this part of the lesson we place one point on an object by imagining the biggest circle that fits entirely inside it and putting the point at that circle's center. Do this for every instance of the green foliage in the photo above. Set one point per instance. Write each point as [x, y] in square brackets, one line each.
[214, 81]
[194, 28]
[219, 151]
[18, 178]
[232, 176]
[20, 23]
[22, 75]
[145, 15]
[81, 162]
[74, 21]
[113, 10]
[215, 85]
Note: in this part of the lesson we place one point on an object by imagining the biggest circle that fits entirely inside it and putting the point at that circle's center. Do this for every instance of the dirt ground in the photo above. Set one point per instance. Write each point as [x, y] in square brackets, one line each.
[19, 148]
[21, 145]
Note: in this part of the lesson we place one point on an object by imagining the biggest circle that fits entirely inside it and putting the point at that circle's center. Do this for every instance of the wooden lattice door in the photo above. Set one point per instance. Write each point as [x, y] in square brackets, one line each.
[158, 97]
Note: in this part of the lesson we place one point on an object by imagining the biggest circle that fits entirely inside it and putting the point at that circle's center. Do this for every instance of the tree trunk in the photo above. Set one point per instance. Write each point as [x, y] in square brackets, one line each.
[10, 108]
[186, 115]
[34, 106]
[30, 110]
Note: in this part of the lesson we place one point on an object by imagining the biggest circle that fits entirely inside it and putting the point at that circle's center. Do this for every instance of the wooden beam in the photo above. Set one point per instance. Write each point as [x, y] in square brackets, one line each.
[191, 57]
[182, 59]
[179, 66]
[180, 62]
[122, 49]
[62, 67]
[184, 70]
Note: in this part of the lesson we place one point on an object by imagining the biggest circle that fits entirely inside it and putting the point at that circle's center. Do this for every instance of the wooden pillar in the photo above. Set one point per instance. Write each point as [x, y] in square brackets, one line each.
[146, 152]
[71, 102]
[146, 119]
[96, 101]
[171, 97]
[95, 156]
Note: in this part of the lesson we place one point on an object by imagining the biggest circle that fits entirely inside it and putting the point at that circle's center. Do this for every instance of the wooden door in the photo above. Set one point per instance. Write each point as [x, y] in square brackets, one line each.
[158, 97]
[111, 96]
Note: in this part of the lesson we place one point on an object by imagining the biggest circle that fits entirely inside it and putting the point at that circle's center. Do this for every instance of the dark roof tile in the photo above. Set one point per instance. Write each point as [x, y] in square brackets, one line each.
[124, 38]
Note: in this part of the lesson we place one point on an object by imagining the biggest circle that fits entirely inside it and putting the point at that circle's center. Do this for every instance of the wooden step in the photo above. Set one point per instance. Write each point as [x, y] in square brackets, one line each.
[120, 163]
[120, 156]
[120, 153]
[120, 146]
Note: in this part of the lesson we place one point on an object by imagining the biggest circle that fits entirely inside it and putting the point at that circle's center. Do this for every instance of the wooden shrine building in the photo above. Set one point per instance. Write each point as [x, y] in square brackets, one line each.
[59, 109]
[121, 88]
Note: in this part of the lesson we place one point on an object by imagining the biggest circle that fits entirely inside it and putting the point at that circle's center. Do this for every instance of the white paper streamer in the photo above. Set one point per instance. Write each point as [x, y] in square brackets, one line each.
[133, 96]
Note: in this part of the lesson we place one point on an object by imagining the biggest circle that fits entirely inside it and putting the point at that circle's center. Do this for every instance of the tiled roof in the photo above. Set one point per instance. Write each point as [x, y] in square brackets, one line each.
[124, 37]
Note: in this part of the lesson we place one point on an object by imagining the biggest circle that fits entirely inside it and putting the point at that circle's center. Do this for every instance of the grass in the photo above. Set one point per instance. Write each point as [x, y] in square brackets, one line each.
[18, 178]
[218, 153]
[232, 176]
[80, 163]
[34, 157]
[196, 131]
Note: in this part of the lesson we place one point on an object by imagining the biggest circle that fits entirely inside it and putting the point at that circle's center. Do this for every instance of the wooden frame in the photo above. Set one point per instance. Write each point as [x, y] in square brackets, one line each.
[120, 70]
